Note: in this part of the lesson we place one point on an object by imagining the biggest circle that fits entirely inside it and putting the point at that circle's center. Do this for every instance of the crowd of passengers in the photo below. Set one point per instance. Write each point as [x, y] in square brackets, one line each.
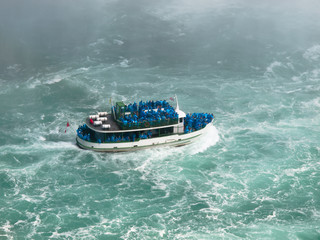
[148, 112]
[83, 133]
[127, 137]
[196, 121]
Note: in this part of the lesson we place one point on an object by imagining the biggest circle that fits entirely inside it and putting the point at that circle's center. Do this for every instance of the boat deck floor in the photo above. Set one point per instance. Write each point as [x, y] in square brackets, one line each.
[113, 124]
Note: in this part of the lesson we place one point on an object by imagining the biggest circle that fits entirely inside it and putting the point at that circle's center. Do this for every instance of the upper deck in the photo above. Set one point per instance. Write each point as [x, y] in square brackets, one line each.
[133, 117]
[114, 127]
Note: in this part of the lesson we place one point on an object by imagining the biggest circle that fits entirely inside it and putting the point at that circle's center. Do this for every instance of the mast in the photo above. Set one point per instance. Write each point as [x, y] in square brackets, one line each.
[177, 108]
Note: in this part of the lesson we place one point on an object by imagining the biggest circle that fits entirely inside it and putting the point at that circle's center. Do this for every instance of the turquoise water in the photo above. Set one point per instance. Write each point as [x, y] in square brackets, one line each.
[256, 66]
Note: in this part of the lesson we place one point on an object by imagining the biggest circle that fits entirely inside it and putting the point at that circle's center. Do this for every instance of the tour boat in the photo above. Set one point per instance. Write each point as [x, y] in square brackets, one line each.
[130, 127]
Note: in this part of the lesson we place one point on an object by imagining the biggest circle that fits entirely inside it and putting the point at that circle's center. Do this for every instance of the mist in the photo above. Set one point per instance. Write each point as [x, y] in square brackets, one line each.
[221, 34]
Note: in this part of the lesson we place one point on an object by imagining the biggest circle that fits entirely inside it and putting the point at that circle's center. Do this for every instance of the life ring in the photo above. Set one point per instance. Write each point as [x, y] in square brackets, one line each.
[146, 124]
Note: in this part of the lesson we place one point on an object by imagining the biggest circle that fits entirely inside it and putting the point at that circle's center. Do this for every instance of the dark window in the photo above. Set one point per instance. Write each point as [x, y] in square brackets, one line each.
[166, 130]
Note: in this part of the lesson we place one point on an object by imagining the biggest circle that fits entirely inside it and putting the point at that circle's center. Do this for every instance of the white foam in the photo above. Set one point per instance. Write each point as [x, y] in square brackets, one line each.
[124, 63]
[14, 67]
[20, 222]
[7, 229]
[145, 161]
[34, 84]
[144, 164]
[17, 160]
[315, 74]
[270, 69]
[118, 42]
[313, 103]
[270, 217]
[209, 139]
[84, 69]
[99, 41]
[312, 54]
[48, 80]
[41, 138]
[133, 229]
[56, 79]
[292, 172]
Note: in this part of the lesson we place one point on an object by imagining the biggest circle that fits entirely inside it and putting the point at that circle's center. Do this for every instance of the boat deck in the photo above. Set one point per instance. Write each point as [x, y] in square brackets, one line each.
[113, 125]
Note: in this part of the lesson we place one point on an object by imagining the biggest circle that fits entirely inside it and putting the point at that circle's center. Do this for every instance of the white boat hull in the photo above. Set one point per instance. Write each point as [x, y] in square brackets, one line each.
[171, 140]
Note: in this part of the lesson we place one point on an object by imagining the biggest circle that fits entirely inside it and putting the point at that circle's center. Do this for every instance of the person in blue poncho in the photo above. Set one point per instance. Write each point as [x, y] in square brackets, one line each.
[133, 137]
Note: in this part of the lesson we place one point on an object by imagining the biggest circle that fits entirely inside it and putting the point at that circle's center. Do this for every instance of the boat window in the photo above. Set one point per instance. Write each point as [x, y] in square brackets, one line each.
[181, 120]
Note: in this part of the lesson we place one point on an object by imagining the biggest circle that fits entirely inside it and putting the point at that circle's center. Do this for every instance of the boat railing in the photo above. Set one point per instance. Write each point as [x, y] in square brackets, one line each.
[147, 124]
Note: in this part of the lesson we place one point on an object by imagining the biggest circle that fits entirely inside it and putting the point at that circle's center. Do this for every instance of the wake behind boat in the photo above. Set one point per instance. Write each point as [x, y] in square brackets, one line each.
[139, 126]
